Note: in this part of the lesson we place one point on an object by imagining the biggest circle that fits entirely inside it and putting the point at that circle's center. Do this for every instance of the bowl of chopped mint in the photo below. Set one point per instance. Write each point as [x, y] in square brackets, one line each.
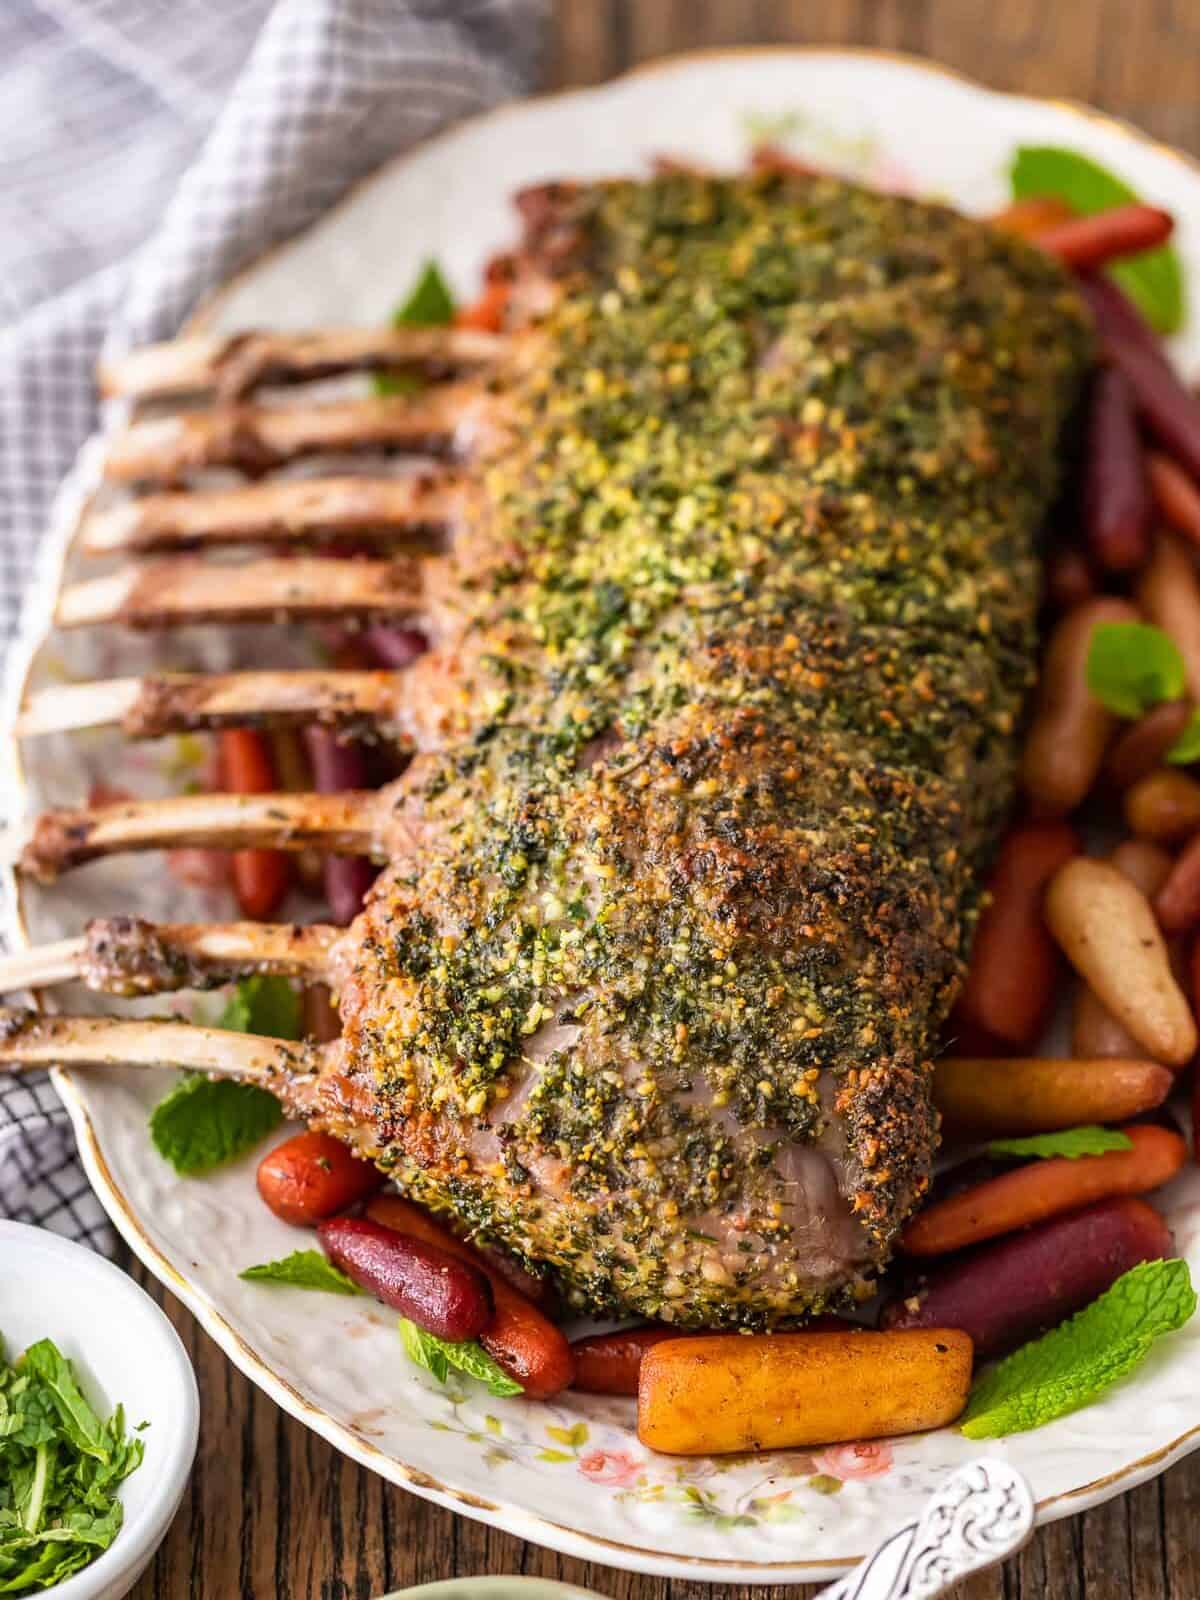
[98, 1421]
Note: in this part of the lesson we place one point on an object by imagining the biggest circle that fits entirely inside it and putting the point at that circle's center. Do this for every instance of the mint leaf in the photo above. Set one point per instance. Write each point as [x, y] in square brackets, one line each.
[204, 1122]
[1186, 748]
[59, 1467]
[1154, 279]
[303, 1269]
[269, 1006]
[440, 1355]
[429, 304]
[1090, 1140]
[1132, 666]
[76, 1419]
[1075, 1363]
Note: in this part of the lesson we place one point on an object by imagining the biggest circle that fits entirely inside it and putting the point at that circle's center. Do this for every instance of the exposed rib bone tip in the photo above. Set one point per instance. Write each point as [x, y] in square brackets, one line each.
[71, 707]
[234, 364]
[60, 962]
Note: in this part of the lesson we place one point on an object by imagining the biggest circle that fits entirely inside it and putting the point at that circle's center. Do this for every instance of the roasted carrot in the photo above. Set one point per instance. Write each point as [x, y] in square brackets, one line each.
[1094, 1029]
[1176, 496]
[1089, 242]
[1116, 497]
[1106, 927]
[1140, 747]
[1115, 314]
[1177, 903]
[986, 1099]
[1014, 963]
[1027, 218]
[733, 1392]
[609, 1363]
[430, 1286]
[1013, 1288]
[486, 313]
[312, 1176]
[1070, 730]
[1168, 595]
[1169, 409]
[261, 878]
[519, 1337]
[1164, 806]
[1044, 1189]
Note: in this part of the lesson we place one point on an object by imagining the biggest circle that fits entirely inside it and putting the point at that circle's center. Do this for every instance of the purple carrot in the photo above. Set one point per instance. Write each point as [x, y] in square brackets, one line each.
[1116, 496]
[1114, 312]
[394, 647]
[1169, 409]
[337, 765]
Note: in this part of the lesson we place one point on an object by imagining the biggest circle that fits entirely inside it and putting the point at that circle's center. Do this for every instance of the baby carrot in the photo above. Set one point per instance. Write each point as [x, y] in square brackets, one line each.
[1088, 242]
[985, 1099]
[1014, 963]
[733, 1392]
[520, 1337]
[1042, 1189]
[261, 878]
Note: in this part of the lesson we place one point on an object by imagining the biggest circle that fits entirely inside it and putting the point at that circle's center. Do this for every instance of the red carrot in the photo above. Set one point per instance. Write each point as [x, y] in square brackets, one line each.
[1089, 242]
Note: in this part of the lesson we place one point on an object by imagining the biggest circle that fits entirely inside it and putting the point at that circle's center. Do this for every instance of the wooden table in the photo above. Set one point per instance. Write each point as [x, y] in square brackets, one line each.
[272, 1511]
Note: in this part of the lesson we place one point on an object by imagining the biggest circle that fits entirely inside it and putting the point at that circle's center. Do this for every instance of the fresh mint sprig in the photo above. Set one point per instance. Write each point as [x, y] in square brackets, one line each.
[1074, 1364]
[204, 1122]
[1089, 1140]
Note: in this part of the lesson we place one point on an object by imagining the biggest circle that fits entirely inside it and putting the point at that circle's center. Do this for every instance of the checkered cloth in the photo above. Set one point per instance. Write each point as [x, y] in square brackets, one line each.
[151, 148]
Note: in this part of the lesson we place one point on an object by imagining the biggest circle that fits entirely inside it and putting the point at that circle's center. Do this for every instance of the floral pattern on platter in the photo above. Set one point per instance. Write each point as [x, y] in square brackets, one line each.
[761, 1489]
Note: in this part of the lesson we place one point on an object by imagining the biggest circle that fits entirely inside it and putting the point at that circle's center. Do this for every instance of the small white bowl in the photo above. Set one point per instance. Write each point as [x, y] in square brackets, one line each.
[125, 1352]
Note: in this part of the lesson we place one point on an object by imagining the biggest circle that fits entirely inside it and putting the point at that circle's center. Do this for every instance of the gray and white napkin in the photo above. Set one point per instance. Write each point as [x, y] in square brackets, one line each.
[150, 148]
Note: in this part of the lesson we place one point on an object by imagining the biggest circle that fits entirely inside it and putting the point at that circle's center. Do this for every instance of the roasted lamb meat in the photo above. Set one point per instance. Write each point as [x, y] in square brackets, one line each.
[730, 642]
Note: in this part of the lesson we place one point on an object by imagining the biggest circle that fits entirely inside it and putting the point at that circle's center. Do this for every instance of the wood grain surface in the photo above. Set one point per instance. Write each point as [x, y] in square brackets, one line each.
[273, 1511]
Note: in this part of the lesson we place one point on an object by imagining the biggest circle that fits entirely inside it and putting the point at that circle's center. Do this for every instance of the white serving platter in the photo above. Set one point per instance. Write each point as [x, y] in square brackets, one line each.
[572, 1474]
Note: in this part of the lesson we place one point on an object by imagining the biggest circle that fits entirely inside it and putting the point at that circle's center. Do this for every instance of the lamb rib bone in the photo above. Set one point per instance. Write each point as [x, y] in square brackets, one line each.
[260, 438]
[277, 511]
[173, 590]
[146, 708]
[128, 956]
[234, 364]
[352, 823]
[284, 1069]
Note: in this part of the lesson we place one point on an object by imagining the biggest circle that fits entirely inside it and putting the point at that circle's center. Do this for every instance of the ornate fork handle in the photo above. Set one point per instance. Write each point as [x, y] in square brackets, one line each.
[981, 1514]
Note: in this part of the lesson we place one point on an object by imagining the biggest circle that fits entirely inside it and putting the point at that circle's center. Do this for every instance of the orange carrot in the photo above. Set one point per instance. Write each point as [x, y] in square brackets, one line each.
[1014, 963]
[986, 1099]
[487, 313]
[1163, 806]
[1175, 494]
[312, 1176]
[1045, 1189]
[1027, 218]
[261, 878]
[1088, 242]
[1069, 731]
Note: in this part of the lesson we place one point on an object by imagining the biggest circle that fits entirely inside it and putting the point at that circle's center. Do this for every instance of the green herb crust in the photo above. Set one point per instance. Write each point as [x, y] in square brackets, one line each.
[752, 620]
